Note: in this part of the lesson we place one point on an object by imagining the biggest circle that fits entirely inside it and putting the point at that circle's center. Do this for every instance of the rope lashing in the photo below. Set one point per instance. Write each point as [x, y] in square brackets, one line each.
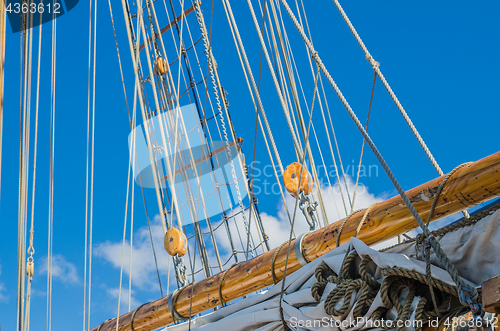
[450, 228]
[337, 242]
[450, 268]
[429, 238]
[363, 219]
[440, 188]
[275, 279]
[221, 299]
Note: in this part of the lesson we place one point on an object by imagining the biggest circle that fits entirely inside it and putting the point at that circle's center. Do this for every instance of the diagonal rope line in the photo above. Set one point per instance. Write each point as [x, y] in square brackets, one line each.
[394, 98]
[364, 141]
[462, 286]
[285, 325]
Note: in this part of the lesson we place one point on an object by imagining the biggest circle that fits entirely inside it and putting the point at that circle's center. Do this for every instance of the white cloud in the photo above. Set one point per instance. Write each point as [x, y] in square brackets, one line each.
[278, 227]
[143, 264]
[115, 292]
[3, 297]
[63, 270]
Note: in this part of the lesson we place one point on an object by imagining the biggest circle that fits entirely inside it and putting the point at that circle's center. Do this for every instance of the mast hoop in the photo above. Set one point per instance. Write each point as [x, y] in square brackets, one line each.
[100, 326]
[172, 298]
[133, 315]
[273, 260]
[299, 250]
[221, 299]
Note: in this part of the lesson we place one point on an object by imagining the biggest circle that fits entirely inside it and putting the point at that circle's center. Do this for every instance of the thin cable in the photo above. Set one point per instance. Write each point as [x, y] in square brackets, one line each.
[91, 214]
[376, 67]
[31, 249]
[22, 180]
[51, 185]
[461, 285]
[87, 174]
[363, 145]
[3, 13]
[306, 143]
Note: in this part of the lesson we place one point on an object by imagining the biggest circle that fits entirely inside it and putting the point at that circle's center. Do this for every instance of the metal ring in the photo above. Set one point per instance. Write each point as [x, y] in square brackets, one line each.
[172, 298]
[100, 326]
[133, 315]
[299, 252]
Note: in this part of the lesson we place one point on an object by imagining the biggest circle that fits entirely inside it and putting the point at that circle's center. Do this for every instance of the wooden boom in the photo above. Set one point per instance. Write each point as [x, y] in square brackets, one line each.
[467, 187]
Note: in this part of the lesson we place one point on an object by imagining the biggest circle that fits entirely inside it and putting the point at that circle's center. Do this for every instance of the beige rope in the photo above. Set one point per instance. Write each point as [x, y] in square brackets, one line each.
[395, 278]
[342, 227]
[363, 219]
[275, 279]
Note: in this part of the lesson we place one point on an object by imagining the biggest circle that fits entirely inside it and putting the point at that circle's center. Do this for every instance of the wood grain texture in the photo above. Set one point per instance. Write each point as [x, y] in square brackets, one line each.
[491, 295]
[469, 186]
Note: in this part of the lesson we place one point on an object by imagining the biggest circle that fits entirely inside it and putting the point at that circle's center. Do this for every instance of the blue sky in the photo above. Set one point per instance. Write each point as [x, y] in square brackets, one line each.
[439, 57]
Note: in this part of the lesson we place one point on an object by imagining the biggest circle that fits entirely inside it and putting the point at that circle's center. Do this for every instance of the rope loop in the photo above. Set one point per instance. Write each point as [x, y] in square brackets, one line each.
[363, 219]
[221, 299]
[275, 279]
[375, 65]
[337, 242]
[133, 316]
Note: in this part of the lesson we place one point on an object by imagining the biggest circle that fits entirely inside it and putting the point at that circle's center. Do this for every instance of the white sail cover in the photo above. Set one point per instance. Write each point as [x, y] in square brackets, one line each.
[200, 168]
[473, 250]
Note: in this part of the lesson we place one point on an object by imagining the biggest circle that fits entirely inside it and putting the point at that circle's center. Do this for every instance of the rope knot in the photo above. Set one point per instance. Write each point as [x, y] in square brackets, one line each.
[372, 61]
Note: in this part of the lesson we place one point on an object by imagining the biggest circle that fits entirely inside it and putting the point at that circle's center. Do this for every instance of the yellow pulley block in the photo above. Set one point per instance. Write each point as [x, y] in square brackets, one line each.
[175, 242]
[160, 66]
[30, 269]
[291, 179]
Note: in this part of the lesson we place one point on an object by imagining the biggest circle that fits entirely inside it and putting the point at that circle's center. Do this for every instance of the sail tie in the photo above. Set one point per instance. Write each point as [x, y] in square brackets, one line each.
[450, 268]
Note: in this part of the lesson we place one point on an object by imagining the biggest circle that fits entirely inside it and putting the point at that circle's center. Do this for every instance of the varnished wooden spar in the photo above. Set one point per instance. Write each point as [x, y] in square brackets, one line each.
[469, 186]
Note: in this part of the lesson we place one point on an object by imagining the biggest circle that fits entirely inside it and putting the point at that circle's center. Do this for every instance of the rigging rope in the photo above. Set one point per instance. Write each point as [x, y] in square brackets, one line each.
[375, 66]
[21, 251]
[51, 176]
[3, 13]
[247, 71]
[124, 236]
[364, 141]
[31, 249]
[462, 286]
[90, 137]
[132, 127]
[306, 141]
[323, 117]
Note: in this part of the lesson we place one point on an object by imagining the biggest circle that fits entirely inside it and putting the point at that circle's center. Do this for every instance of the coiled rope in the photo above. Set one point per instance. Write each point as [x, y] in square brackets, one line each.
[366, 288]
[463, 288]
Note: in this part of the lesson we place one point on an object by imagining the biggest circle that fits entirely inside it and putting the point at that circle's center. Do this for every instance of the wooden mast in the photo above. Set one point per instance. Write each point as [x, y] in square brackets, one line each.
[467, 187]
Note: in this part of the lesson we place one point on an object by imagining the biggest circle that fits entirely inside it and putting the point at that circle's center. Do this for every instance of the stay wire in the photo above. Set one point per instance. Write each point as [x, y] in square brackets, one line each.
[364, 140]
[132, 127]
[376, 67]
[306, 144]
[461, 285]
